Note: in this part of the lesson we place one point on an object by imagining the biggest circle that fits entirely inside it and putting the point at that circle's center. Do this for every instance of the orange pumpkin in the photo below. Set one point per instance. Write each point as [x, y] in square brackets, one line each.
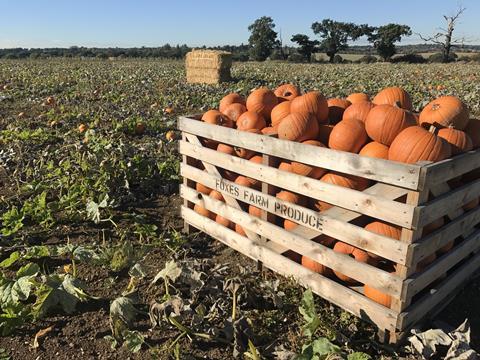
[258, 159]
[377, 296]
[382, 228]
[239, 230]
[358, 97]
[473, 130]
[298, 127]
[214, 194]
[336, 108]
[232, 98]
[287, 91]
[385, 122]
[358, 111]
[375, 150]
[262, 101]
[313, 265]
[233, 111]
[348, 135]
[215, 117]
[204, 212]
[251, 120]
[246, 153]
[394, 96]
[312, 102]
[203, 189]
[248, 182]
[307, 170]
[415, 144]
[226, 149]
[285, 166]
[224, 221]
[350, 250]
[445, 111]
[458, 140]
[270, 130]
[255, 211]
[344, 180]
[279, 112]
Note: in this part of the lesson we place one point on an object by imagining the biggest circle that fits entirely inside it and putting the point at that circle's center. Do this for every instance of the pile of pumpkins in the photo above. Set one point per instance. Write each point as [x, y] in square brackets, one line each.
[383, 127]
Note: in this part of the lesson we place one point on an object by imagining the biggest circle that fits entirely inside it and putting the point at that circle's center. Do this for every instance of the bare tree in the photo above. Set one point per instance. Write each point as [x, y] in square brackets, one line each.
[444, 37]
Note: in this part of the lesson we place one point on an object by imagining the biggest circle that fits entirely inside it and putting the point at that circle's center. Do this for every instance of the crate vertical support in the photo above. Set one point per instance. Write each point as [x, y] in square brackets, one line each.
[409, 236]
[187, 228]
[269, 190]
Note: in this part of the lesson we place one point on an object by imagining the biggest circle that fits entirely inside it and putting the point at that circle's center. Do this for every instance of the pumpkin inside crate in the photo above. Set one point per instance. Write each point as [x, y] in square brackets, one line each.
[379, 130]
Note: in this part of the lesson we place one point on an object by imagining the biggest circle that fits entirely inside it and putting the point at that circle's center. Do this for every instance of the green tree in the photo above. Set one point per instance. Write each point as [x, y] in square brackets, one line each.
[306, 46]
[385, 37]
[263, 39]
[335, 35]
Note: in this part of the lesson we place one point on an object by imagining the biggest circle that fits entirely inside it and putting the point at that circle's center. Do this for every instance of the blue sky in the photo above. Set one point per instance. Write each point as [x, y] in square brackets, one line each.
[127, 23]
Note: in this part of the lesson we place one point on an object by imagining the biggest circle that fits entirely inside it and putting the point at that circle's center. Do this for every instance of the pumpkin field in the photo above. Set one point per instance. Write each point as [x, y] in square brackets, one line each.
[94, 262]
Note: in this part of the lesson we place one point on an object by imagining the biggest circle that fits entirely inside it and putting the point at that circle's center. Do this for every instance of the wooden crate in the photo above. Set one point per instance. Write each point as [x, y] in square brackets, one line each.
[408, 195]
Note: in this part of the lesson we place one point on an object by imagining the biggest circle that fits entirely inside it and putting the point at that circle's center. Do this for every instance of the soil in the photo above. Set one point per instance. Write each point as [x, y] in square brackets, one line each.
[81, 335]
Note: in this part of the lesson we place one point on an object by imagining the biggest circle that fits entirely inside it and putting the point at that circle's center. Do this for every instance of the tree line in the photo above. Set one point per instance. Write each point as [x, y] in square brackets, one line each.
[335, 36]
[264, 42]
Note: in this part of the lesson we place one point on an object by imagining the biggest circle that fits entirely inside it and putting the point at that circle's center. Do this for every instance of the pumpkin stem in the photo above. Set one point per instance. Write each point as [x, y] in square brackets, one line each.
[434, 128]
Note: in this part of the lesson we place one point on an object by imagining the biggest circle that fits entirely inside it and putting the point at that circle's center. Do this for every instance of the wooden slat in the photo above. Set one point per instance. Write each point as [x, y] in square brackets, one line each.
[442, 265]
[386, 191]
[442, 171]
[437, 296]
[377, 207]
[364, 273]
[403, 175]
[383, 246]
[211, 169]
[444, 204]
[408, 236]
[337, 294]
[441, 237]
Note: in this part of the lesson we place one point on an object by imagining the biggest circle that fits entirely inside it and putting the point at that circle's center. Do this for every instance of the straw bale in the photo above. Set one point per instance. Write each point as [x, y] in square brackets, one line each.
[208, 66]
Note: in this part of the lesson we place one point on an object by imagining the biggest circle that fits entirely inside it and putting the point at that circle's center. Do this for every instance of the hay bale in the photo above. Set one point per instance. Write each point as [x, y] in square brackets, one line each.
[208, 66]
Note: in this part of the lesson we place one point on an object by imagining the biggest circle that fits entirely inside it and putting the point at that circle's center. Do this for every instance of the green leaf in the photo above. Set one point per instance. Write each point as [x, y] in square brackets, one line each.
[21, 289]
[323, 346]
[171, 271]
[358, 356]
[37, 252]
[58, 291]
[12, 259]
[30, 269]
[133, 340]
[113, 342]
[309, 313]
[123, 308]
